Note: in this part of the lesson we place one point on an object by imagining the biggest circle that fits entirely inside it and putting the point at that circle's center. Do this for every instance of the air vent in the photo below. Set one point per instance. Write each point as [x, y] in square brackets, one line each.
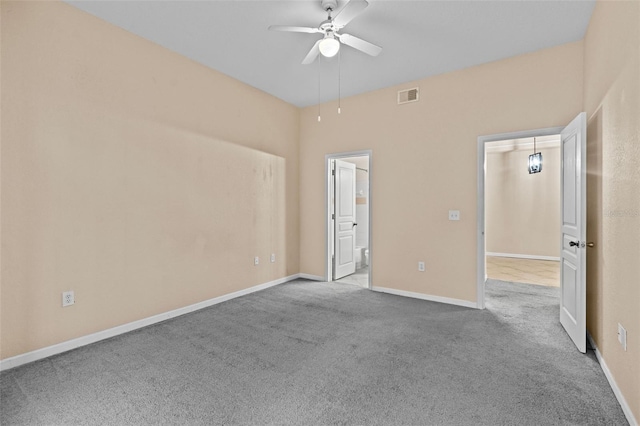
[409, 95]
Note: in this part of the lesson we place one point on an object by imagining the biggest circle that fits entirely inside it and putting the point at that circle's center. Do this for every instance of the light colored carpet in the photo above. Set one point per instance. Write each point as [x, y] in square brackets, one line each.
[307, 353]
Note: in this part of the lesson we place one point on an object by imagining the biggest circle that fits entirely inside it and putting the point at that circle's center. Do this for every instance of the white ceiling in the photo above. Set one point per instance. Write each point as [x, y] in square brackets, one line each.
[419, 38]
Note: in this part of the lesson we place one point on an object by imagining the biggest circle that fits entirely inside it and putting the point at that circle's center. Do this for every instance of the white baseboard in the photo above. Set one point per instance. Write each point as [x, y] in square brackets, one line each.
[448, 300]
[38, 354]
[614, 386]
[523, 256]
[311, 277]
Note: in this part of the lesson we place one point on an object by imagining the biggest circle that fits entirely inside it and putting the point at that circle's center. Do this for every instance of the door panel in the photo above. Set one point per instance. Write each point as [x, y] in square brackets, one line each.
[570, 275]
[345, 219]
[574, 213]
[345, 252]
[569, 180]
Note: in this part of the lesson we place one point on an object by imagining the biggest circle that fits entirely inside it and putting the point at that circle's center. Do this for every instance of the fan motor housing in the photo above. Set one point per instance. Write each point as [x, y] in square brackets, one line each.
[329, 5]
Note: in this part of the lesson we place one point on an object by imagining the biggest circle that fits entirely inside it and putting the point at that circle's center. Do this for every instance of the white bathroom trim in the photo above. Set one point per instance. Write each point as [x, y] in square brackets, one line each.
[327, 209]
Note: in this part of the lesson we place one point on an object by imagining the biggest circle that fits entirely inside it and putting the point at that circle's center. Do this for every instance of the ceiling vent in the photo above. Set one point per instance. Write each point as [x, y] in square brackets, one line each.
[409, 95]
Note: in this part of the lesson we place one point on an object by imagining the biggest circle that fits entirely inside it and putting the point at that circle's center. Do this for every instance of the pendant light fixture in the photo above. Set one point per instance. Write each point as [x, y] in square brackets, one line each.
[535, 160]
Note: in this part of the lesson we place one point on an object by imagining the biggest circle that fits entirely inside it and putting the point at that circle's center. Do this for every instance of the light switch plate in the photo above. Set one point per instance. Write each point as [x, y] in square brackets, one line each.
[454, 214]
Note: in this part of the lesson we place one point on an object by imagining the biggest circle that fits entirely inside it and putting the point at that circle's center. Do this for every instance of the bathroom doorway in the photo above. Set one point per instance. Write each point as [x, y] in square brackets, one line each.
[348, 214]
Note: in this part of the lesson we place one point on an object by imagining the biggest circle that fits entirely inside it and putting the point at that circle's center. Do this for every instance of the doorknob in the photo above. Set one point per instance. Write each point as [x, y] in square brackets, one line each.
[574, 243]
[354, 224]
[590, 244]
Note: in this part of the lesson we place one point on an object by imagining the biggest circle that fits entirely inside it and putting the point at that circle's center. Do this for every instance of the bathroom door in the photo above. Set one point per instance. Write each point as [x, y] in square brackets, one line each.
[344, 262]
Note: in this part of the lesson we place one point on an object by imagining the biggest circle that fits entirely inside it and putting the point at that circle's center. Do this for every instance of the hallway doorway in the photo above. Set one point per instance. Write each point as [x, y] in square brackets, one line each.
[522, 211]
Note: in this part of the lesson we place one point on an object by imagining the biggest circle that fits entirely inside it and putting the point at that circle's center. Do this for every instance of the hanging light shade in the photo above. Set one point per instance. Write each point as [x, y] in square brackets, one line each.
[329, 46]
[535, 160]
[535, 163]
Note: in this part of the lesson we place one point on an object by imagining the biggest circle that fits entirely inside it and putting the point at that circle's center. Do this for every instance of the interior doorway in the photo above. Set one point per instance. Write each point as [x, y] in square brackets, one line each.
[522, 211]
[485, 142]
[348, 218]
[573, 235]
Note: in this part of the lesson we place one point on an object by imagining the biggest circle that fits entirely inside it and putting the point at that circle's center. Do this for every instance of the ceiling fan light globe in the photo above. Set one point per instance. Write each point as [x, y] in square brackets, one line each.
[329, 47]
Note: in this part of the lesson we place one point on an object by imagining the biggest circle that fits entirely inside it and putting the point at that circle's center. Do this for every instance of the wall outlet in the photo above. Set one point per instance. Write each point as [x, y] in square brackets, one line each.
[421, 266]
[256, 260]
[273, 258]
[68, 298]
[454, 214]
[622, 336]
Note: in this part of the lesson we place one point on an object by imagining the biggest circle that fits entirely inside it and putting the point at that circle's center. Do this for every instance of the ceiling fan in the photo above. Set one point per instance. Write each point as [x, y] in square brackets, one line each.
[329, 44]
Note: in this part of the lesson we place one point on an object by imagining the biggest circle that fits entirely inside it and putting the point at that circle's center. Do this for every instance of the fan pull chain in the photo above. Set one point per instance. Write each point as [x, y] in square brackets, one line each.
[319, 117]
[339, 73]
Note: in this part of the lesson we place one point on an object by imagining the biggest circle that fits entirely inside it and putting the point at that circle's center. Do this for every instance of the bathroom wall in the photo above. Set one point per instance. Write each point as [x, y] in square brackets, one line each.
[362, 209]
[362, 199]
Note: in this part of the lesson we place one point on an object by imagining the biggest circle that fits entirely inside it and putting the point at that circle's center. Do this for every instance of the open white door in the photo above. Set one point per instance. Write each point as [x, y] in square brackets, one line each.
[574, 213]
[345, 219]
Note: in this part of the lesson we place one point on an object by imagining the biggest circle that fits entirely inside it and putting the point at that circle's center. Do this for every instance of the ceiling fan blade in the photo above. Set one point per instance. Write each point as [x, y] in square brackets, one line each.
[358, 43]
[350, 11]
[313, 53]
[294, 29]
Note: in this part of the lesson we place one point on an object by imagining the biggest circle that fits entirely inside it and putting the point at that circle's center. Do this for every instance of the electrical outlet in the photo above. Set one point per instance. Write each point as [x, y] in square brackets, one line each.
[256, 260]
[622, 336]
[421, 266]
[68, 298]
[454, 214]
[273, 258]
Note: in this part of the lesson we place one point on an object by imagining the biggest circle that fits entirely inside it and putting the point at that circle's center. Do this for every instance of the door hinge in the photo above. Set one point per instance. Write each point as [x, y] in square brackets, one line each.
[333, 172]
[333, 216]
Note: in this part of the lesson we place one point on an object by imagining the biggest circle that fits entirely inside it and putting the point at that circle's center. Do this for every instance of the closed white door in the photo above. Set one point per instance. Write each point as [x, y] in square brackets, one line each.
[574, 213]
[345, 219]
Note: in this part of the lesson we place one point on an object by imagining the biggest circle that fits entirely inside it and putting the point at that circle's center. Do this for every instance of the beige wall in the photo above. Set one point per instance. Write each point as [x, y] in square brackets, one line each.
[141, 180]
[425, 162]
[612, 103]
[522, 209]
[146, 182]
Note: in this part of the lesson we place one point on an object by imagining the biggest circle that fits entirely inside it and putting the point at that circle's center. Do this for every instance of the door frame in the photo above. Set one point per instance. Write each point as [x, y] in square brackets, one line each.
[480, 238]
[327, 209]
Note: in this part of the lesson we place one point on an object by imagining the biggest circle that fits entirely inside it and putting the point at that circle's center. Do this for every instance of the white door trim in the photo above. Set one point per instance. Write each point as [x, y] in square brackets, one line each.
[327, 209]
[480, 239]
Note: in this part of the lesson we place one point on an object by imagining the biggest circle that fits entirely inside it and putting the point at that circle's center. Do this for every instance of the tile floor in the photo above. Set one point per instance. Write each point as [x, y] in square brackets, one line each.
[359, 278]
[530, 271]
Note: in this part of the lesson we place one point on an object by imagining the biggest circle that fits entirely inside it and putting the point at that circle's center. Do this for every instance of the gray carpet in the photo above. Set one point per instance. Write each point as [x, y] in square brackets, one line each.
[307, 353]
